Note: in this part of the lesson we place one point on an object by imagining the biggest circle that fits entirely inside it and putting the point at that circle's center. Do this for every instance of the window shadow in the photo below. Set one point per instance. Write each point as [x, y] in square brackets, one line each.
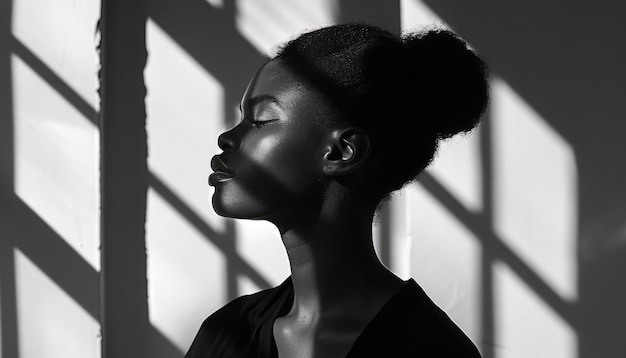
[566, 60]
[48, 75]
[222, 241]
[210, 36]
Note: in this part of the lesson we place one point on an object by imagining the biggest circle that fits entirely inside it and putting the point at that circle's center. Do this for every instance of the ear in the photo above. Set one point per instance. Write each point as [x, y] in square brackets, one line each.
[349, 148]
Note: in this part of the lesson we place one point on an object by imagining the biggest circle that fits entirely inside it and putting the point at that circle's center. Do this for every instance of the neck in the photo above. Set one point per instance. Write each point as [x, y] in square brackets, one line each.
[332, 258]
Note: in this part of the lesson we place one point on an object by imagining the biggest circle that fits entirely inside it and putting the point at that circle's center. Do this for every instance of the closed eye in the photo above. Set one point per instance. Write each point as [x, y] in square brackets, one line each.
[259, 124]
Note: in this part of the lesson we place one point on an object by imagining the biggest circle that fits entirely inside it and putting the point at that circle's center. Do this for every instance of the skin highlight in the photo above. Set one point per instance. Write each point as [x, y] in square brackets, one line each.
[304, 170]
[336, 121]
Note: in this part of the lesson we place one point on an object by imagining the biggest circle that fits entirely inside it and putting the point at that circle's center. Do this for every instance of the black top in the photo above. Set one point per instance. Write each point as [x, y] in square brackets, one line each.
[409, 325]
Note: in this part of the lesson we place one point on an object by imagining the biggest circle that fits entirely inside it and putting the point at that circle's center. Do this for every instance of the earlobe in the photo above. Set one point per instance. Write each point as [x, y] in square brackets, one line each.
[348, 150]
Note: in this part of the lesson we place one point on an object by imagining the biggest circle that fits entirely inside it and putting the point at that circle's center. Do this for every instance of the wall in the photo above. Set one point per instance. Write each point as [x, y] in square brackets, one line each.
[517, 231]
[50, 196]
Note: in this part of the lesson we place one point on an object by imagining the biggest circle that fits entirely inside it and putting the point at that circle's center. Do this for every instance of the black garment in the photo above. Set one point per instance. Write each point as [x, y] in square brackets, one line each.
[409, 325]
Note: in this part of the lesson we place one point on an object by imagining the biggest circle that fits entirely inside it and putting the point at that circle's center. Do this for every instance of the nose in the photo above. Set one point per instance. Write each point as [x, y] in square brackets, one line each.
[227, 141]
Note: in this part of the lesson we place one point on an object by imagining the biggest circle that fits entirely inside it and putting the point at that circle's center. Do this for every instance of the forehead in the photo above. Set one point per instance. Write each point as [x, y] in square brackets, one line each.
[277, 80]
[278, 83]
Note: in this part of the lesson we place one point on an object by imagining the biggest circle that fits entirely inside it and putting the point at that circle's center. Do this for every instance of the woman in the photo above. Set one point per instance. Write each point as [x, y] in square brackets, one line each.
[334, 123]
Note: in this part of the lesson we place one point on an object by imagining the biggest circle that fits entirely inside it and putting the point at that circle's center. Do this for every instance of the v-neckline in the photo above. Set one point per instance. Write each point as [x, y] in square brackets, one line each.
[284, 310]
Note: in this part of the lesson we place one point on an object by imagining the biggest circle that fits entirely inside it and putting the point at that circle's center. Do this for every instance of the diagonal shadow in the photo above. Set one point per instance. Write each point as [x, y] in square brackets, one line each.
[566, 60]
[26, 231]
[221, 241]
[227, 67]
[475, 223]
[498, 250]
[41, 244]
[56, 82]
[195, 24]
[90, 113]
[210, 37]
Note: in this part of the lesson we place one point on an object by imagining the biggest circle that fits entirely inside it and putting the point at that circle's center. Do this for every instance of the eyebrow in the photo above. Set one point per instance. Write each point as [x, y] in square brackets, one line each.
[264, 98]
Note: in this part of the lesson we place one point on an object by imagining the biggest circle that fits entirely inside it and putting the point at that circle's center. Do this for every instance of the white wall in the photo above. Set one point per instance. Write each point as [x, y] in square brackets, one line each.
[490, 231]
[56, 160]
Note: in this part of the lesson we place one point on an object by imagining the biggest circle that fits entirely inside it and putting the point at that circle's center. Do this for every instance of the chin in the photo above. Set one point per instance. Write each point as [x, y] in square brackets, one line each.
[239, 207]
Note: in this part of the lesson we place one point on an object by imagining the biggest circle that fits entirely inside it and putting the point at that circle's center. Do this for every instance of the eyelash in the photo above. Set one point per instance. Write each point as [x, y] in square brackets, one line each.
[259, 124]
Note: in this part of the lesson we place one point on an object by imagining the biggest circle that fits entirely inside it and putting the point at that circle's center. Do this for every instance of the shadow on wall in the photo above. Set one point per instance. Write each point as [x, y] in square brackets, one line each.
[567, 64]
[566, 59]
[209, 35]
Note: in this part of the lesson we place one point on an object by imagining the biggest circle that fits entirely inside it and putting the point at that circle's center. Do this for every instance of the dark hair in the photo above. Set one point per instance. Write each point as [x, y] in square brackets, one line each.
[407, 92]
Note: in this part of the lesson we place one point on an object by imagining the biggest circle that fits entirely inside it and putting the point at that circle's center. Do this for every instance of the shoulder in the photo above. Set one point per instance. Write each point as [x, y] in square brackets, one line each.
[259, 306]
[233, 326]
[427, 324]
[412, 325]
[238, 309]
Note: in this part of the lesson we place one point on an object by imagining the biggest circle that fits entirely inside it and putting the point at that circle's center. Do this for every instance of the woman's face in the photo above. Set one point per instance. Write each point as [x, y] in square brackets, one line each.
[271, 165]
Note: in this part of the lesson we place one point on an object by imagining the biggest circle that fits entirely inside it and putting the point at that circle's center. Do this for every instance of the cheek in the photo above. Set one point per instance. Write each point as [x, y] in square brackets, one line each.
[265, 182]
[266, 146]
[274, 173]
[285, 161]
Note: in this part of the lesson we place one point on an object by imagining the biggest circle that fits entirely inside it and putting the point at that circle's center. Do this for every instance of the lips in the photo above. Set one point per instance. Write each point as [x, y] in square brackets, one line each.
[221, 172]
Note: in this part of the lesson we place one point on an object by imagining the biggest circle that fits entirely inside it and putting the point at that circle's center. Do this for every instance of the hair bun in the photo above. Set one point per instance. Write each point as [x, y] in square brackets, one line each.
[449, 79]
[406, 92]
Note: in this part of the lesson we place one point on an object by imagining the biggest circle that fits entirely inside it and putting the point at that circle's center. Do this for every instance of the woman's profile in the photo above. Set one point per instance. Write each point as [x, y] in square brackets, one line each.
[341, 117]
